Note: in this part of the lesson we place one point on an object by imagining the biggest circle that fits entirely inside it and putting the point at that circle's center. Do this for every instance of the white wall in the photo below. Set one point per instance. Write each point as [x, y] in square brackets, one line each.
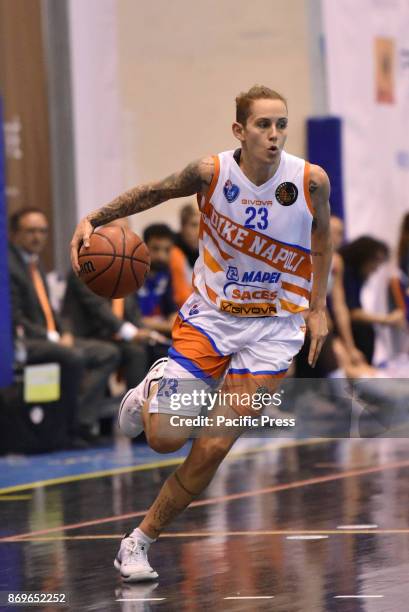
[182, 63]
[99, 154]
[154, 85]
[375, 131]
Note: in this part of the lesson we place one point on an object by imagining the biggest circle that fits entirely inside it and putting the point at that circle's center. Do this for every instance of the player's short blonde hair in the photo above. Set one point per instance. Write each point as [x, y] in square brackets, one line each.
[246, 98]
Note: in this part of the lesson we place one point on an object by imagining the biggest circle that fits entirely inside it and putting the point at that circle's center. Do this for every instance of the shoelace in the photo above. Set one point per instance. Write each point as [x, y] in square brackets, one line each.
[133, 547]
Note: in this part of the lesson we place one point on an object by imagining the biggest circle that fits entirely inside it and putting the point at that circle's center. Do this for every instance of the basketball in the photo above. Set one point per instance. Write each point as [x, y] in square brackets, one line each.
[116, 262]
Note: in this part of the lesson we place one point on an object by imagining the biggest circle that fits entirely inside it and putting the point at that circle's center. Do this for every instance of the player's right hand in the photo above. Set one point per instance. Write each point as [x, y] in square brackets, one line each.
[80, 238]
[318, 328]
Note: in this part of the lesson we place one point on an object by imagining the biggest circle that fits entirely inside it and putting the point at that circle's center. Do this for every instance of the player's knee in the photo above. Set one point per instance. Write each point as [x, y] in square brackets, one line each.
[211, 451]
[162, 437]
[162, 444]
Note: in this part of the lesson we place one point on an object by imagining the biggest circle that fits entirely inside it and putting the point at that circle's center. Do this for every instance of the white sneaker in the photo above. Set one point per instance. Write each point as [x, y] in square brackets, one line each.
[132, 561]
[130, 411]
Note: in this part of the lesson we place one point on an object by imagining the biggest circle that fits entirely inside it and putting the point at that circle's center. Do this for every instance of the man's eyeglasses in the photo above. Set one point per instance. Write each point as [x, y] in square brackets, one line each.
[35, 230]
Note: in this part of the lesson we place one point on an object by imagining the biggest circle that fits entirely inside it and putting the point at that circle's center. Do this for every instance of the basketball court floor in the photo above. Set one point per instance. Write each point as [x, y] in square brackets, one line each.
[287, 525]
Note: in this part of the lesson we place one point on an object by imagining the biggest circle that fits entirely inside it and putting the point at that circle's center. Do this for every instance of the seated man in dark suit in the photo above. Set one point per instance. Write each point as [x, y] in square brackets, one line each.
[118, 321]
[155, 297]
[85, 365]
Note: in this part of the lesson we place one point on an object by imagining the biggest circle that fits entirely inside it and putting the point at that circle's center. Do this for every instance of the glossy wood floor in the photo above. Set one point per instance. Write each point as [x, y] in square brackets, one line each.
[309, 527]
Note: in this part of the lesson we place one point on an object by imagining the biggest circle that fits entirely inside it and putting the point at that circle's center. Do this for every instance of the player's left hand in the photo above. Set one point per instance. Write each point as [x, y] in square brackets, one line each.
[318, 328]
[81, 236]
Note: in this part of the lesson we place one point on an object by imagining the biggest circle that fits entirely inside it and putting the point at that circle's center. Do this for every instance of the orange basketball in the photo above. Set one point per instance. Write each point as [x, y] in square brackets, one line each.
[116, 262]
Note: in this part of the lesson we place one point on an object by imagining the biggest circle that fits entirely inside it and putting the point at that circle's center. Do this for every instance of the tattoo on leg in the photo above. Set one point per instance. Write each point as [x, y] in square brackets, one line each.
[164, 511]
[182, 486]
[171, 501]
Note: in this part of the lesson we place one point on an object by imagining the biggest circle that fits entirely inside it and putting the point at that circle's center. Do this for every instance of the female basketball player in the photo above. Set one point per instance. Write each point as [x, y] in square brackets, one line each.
[264, 259]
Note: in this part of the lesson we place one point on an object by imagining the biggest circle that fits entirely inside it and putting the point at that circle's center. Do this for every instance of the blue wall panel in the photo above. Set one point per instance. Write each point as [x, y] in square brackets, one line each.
[324, 147]
[6, 343]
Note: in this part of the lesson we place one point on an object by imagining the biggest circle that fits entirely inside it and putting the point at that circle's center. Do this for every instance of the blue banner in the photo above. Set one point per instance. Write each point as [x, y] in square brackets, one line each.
[6, 338]
[324, 145]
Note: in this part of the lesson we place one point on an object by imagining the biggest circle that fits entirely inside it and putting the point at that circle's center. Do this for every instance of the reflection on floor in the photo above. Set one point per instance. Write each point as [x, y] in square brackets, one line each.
[309, 526]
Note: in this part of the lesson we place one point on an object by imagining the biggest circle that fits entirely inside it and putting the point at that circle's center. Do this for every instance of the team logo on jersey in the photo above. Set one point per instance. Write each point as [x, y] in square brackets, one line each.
[231, 191]
[242, 291]
[286, 194]
[232, 273]
[194, 310]
[259, 276]
[248, 310]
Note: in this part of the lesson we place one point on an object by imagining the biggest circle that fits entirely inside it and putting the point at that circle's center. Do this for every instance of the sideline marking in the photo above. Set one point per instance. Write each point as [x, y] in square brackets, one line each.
[221, 499]
[207, 534]
[358, 596]
[14, 497]
[156, 464]
[74, 478]
[251, 597]
[307, 537]
[145, 599]
[357, 527]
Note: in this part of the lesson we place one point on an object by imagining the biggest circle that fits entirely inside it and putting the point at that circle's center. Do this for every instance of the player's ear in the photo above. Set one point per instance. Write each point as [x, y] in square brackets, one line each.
[238, 131]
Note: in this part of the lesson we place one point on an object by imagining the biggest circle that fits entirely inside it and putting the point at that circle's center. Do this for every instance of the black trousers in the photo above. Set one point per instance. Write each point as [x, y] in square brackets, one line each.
[364, 338]
[133, 362]
[85, 369]
[101, 360]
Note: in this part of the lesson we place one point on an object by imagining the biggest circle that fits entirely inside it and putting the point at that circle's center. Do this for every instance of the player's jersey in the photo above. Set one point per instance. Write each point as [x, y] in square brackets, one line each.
[255, 241]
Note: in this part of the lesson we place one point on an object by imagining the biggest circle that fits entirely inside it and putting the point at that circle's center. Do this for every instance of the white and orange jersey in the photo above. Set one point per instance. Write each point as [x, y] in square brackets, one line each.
[255, 241]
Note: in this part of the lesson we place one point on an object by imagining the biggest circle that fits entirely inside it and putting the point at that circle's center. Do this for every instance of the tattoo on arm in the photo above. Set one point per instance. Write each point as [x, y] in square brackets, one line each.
[194, 178]
[319, 190]
[312, 188]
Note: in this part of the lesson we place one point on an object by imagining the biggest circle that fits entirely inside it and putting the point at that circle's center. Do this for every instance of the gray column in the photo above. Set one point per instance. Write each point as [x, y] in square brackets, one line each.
[57, 53]
[317, 58]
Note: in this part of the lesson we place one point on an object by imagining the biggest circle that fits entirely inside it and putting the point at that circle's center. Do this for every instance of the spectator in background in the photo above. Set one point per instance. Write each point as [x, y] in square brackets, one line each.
[339, 353]
[184, 254]
[399, 285]
[115, 321]
[403, 246]
[327, 361]
[338, 308]
[155, 297]
[398, 290]
[85, 365]
[361, 258]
